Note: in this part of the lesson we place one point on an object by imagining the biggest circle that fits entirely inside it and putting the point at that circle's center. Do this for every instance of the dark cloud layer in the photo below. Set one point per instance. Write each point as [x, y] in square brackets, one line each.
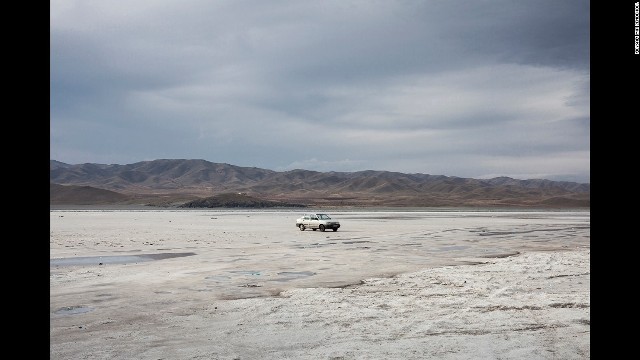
[476, 89]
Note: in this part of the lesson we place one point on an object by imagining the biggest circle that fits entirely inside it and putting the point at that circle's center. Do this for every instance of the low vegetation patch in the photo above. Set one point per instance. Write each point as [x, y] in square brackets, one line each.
[236, 200]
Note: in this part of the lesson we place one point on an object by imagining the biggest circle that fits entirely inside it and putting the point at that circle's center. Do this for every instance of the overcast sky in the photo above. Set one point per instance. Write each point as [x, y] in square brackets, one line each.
[478, 89]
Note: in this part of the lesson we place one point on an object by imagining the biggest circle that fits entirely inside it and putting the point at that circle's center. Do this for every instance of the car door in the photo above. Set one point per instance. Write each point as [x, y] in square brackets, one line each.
[306, 221]
[313, 221]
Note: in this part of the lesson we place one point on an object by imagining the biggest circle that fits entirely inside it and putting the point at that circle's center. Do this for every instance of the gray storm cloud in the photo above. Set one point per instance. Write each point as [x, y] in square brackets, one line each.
[480, 89]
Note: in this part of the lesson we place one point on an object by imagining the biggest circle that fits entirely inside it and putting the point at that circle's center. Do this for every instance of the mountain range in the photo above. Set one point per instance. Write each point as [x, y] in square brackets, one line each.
[177, 182]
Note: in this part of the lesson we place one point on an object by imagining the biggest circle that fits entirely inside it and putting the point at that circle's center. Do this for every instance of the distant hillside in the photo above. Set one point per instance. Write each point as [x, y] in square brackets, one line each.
[83, 195]
[175, 182]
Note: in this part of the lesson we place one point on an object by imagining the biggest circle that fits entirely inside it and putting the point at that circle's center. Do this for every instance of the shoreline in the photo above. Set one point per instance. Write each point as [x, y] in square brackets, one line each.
[323, 208]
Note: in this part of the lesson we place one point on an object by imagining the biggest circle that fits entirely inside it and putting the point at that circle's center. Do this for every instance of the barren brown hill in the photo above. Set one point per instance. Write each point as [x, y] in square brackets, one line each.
[83, 195]
[174, 182]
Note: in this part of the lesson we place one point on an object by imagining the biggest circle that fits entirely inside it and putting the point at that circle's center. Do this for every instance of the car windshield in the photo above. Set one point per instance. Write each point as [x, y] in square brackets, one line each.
[323, 217]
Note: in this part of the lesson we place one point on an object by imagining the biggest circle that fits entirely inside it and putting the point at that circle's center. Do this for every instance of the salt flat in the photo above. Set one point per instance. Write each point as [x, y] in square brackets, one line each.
[187, 284]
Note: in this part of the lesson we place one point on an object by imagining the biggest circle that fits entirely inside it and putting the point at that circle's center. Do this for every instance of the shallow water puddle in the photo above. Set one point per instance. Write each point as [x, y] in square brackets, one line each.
[73, 310]
[117, 259]
[291, 275]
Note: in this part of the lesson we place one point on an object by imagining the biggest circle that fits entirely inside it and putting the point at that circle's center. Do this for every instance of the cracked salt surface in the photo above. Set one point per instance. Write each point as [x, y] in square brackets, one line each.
[427, 284]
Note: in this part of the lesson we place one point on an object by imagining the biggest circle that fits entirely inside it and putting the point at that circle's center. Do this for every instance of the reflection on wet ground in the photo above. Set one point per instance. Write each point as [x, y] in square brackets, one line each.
[484, 232]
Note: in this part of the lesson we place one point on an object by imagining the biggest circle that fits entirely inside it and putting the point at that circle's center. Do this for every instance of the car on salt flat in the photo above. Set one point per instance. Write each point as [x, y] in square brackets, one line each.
[317, 221]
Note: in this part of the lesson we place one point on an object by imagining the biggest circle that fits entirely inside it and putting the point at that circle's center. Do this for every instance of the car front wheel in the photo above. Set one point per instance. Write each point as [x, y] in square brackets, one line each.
[321, 227]
[301, 227]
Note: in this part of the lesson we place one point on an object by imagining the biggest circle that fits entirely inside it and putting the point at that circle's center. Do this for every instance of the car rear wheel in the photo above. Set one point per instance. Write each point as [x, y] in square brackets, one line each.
[321, 227]
[335, 229]
[301, 227]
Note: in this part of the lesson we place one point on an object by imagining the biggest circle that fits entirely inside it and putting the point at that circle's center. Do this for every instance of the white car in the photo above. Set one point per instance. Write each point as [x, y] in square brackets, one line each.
[317, 221]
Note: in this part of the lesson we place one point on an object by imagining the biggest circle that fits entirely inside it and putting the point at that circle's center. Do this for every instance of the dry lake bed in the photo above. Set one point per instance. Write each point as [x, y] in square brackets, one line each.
[390, 283]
